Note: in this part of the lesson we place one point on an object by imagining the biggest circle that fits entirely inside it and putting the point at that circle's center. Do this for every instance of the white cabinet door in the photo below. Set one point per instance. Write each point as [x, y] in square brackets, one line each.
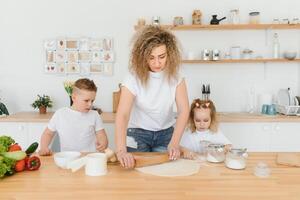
[253, 136]
[16, 130]
[35, 131]
[285, 137]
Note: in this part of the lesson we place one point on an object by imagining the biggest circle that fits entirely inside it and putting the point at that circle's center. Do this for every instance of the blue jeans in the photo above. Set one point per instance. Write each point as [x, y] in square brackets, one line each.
[150, 141]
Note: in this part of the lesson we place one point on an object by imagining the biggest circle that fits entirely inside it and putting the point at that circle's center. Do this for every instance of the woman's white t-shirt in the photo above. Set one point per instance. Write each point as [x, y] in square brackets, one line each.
[76, 130]
[191, 140]
[153, 104]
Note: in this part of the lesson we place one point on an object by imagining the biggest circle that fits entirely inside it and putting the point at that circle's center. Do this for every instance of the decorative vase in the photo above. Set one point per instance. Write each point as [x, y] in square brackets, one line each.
[71, 101]
[42, 109]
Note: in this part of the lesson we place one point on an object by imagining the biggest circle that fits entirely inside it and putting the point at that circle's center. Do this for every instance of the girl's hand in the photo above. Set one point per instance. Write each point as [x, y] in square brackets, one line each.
[174, 152]
[126, 159]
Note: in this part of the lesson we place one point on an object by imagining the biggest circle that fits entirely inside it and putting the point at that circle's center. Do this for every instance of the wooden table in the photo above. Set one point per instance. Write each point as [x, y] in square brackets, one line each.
[213, 181]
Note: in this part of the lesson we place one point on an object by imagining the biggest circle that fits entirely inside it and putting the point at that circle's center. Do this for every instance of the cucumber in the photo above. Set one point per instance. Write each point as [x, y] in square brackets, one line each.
[15, 155]
[32, 148]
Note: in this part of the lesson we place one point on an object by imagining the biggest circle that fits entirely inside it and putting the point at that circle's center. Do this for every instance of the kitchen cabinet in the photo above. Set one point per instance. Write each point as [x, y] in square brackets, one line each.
[264, 137]
[17, 130]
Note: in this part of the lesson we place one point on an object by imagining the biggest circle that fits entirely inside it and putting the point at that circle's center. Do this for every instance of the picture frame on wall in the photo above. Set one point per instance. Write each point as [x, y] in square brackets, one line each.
[61, 68]
[108, 56]
[97, 56]
[84, 56]
[50, 45]
[60, 56]
[72, 68]
[84, 44]
[72, 44]
[50, 56]
[61, 44]
[85, 69]
[50, 68]
[81, 55]
[96, 68]
[96, 44]
[72, 56]
[107, 44]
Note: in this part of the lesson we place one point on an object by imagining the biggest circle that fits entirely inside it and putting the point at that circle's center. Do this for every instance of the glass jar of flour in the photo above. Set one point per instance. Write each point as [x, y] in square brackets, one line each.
[236, 158]
[215, 153]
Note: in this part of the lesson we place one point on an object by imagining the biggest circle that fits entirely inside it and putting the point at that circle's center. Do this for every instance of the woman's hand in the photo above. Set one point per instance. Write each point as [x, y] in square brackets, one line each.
[189, 155]
[174, 152]
[126, 159]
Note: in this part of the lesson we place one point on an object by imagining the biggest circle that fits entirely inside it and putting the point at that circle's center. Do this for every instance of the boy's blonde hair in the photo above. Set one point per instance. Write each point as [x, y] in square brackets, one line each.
[203, 104]
[144, 42]
[85, 84]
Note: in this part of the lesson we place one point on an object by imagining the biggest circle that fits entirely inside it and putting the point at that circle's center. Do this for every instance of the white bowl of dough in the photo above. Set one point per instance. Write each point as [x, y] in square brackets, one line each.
[62, 159]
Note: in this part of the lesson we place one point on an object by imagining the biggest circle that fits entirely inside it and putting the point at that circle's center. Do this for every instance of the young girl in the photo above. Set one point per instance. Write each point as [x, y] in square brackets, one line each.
[79, 128]
[203, 126]
[145, 121]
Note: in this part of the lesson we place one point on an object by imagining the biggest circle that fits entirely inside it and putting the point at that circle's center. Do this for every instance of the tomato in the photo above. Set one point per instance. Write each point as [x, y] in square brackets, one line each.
[20, 165]
[33, 163]
[15, 147]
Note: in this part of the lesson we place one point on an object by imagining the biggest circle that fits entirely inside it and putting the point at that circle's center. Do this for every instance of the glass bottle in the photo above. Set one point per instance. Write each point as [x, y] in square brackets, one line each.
[276, 46]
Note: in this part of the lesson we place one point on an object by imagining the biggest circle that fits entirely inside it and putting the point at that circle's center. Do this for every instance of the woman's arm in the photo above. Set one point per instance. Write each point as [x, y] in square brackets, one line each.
[182, 104]
[122, 118]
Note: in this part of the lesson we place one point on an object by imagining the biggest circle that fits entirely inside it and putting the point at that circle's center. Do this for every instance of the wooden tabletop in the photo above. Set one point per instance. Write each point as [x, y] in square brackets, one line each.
[214, 181]
[109, 117]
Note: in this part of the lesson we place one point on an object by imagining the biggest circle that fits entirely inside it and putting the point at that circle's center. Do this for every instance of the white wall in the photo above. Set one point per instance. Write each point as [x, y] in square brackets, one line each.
[26, 24]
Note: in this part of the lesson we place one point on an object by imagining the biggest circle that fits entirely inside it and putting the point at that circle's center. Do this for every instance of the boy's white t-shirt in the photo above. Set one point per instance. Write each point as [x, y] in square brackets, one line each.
[76, 130]
[153, 104]
[191, 140]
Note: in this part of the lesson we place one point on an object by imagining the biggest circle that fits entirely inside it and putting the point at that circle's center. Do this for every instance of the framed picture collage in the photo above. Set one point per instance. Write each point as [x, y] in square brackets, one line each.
[82, 56]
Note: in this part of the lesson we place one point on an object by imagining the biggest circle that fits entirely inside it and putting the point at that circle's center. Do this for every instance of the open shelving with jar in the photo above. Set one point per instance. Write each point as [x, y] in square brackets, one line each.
[221, 27]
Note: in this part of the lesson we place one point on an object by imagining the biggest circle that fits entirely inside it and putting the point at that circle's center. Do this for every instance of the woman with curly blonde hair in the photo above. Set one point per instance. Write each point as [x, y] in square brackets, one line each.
[145, 121]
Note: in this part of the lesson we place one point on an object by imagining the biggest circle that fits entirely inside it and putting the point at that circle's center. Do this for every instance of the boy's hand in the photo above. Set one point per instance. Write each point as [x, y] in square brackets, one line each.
[101, 146]
[101, 141]
[45, 152]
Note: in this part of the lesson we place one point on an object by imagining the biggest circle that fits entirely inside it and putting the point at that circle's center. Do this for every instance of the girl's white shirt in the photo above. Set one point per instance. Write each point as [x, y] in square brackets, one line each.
[153, 104]
[191, 140]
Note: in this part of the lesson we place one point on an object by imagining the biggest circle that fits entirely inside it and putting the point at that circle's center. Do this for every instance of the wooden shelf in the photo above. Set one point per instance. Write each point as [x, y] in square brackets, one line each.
[262, 60]
[230, 27]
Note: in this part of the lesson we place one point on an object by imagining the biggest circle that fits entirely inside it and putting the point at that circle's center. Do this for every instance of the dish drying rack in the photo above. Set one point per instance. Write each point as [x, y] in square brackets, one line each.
[288, 110]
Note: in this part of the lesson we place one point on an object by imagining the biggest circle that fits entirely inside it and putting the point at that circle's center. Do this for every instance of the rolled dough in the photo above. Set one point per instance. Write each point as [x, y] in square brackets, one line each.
[181, 167]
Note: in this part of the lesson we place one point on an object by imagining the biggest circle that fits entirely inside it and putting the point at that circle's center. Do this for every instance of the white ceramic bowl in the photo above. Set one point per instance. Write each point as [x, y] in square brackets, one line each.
[62, 159]
[290, 55]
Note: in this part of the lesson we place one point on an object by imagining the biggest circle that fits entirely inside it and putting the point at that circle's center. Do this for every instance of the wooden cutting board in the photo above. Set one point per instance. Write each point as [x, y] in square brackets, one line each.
[289, 159]
[116, 99]
[144, 159]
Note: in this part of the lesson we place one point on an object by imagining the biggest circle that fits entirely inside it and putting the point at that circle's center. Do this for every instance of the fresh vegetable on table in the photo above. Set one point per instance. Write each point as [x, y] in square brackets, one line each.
[33, 163]
[5, 142]
[32, 148]
[13, 159]
[15, 147]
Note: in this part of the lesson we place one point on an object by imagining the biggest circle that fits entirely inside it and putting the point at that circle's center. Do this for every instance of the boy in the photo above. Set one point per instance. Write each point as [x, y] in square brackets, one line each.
[79, 128]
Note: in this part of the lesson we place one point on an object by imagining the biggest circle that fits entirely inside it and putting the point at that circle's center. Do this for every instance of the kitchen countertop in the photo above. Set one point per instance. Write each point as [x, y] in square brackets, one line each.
[109, 117]
[214, 181]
